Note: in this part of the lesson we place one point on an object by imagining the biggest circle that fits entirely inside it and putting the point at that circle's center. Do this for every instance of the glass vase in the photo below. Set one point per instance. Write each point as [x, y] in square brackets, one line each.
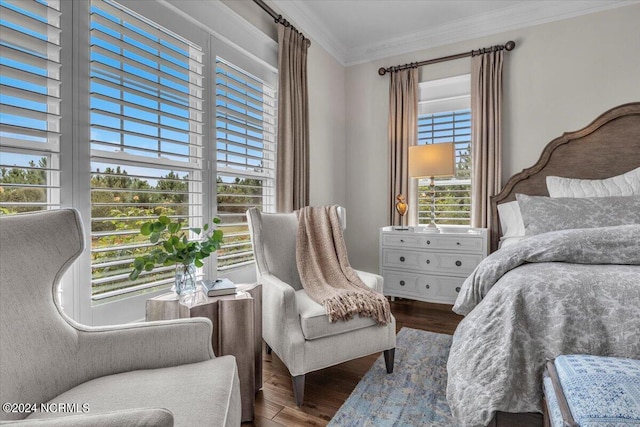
[185, 280]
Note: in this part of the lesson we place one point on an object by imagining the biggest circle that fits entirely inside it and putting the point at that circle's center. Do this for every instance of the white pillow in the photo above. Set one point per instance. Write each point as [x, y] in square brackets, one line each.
[627, 184]
[511, 222]
[508, 241]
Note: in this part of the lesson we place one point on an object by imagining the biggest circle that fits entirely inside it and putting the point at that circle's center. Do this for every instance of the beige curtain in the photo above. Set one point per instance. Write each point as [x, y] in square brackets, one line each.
[486, 134]
[292, 165]
[403, 132]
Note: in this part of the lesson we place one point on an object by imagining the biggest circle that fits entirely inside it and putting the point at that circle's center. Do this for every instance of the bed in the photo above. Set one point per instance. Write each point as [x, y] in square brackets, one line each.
[571, 286]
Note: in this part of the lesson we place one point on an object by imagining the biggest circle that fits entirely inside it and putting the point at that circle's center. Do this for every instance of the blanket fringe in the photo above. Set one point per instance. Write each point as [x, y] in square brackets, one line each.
[345, 305]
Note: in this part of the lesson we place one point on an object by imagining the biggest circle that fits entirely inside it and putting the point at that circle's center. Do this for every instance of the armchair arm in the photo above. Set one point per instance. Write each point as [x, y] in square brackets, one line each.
[281, 326]
[374, 281]
[143, 417]
[149, 345]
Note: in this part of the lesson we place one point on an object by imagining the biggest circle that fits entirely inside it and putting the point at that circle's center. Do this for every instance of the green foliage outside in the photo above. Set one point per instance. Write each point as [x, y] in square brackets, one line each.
[234, 198]
[121, 204]
[28, 192]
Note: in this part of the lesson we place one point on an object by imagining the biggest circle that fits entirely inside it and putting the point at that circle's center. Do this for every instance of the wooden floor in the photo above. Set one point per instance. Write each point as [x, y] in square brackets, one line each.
[326, 390]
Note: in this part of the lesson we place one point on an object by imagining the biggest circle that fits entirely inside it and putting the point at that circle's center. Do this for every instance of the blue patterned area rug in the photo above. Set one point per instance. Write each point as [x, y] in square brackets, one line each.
[414, 395]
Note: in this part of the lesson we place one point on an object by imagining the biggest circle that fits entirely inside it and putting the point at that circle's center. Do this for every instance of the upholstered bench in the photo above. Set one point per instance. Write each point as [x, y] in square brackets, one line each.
[592, 391]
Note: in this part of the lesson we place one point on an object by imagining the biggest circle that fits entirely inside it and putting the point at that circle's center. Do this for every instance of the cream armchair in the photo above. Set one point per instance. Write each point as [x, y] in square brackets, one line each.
[293, 325]
[144, 374]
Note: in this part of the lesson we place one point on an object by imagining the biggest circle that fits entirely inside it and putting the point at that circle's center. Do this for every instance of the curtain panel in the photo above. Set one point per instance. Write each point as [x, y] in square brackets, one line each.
[292, 164]
[403, 133]
[486, 134]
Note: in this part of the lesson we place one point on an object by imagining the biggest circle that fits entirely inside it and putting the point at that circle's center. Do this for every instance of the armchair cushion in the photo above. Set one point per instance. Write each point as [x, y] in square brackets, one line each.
[315, 321]
[144, 417]
[195, 392]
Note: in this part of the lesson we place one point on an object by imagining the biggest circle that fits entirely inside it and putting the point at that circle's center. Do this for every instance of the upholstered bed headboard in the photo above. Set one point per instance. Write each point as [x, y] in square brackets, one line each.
[608, 146]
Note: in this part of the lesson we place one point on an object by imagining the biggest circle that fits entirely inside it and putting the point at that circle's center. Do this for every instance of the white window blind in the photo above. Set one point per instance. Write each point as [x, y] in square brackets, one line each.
[246, 144]
[29, 105]
[146, 119]
[453, 196]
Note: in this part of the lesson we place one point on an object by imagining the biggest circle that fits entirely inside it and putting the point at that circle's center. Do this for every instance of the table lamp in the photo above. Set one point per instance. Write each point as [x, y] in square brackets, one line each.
[431, 161]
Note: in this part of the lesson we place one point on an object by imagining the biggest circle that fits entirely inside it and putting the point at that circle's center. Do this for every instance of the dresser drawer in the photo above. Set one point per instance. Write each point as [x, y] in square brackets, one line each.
[433, 262]
[439, 288]
[451, 263]
[426, 287]
[459, 242]
[400, 281]
[404, 240]
[398, 258]
[452, 242]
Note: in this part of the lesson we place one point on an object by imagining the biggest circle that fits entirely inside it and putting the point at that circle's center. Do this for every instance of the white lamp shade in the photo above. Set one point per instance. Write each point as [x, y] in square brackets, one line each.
[437, 160]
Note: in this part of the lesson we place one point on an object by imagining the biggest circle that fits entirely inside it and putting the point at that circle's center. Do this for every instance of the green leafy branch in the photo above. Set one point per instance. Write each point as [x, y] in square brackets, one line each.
[172, 246]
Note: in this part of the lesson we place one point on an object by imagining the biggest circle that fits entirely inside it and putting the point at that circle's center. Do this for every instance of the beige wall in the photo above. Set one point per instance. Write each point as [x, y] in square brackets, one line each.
[560, 77]
[327, 128]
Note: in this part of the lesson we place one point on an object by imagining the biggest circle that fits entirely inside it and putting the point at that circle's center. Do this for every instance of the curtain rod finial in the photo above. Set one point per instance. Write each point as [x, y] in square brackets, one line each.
[382, 71]
[510, 45]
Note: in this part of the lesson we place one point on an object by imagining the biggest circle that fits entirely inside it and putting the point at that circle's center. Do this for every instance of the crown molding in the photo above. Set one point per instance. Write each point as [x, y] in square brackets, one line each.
[519, 15]
[303, 18]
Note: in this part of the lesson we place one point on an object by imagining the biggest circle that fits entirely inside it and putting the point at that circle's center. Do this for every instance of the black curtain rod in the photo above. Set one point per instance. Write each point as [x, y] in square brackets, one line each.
[510, 45]
[279, 19]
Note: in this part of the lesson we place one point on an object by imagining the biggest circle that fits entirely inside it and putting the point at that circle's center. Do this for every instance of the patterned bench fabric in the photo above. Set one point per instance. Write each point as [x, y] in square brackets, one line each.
[601, 391]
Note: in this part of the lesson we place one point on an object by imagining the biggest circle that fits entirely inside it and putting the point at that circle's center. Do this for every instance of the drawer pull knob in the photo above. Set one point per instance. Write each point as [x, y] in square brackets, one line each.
[427, 286]
[458, 263]
[401, 259]
[401, 282]
[458, 289]
[458, 243]
[401, 240]
[428, 261]
[428, 242]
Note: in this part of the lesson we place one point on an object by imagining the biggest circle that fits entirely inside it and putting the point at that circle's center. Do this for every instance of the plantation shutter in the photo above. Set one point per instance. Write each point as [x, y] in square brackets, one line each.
[146, 94]
[453, 196]
[29, 105]
[245, 150]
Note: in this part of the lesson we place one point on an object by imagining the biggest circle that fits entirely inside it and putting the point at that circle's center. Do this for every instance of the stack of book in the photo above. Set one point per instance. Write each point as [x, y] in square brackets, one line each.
[219, 287]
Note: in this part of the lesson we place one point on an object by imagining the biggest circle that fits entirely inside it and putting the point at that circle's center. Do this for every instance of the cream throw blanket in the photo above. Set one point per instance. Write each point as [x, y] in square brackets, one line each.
[325, 272]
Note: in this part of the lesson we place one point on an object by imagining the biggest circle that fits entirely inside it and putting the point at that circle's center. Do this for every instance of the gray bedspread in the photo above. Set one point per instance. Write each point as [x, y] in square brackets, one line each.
[569, 291]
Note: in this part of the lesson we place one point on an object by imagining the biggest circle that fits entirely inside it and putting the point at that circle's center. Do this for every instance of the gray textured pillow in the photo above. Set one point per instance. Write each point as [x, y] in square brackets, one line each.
[544, 214]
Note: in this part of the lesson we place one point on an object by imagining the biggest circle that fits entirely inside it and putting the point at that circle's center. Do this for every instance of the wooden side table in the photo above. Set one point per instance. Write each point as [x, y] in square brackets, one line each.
[237, 330]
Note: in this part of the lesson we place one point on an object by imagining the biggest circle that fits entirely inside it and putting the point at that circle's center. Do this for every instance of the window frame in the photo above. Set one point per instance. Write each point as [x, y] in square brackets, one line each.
[38, 48]
[173, 62]
[228, 75]
[253, 51]
[128, 308]
[437, 97]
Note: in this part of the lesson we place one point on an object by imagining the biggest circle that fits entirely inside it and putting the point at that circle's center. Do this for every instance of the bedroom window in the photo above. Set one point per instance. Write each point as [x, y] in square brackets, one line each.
[111, 110]
[245, 153]
[30, 106]
[146, 102]
[445, 116]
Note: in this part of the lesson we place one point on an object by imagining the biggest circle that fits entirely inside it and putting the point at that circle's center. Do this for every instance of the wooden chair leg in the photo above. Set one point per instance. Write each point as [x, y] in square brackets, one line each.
[389, 356]
[298, 388]
[268, 348]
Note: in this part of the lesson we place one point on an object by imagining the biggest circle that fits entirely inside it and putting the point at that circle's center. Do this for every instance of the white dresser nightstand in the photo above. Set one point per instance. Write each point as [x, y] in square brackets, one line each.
[429, 266]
